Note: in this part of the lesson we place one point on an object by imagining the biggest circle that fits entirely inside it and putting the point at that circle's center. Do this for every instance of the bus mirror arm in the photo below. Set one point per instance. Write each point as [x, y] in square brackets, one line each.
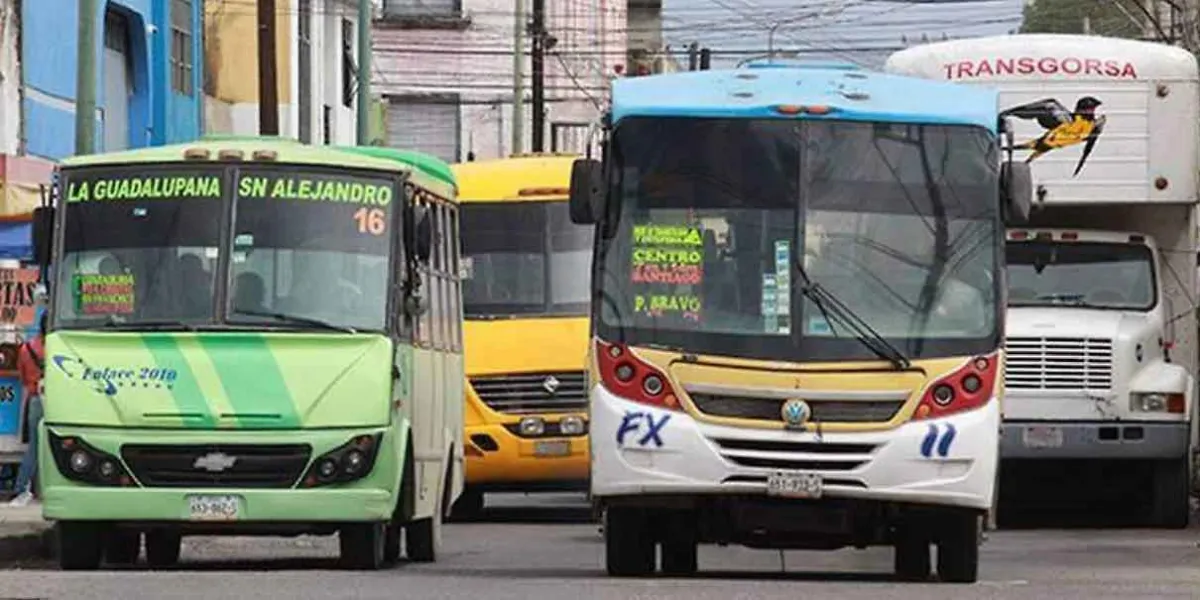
[587, 191]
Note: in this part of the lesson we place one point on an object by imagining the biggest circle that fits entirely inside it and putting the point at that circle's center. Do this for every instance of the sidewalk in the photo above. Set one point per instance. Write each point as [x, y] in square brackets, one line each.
[23, 533]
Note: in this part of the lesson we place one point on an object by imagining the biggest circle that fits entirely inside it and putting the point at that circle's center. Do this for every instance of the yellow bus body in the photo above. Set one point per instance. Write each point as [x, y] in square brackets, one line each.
[522, 351]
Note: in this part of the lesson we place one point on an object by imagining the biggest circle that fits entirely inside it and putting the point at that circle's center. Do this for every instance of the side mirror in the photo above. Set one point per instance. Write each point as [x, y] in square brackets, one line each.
[42, 234]
[587, 191]
[424, 235]
[1016, 192]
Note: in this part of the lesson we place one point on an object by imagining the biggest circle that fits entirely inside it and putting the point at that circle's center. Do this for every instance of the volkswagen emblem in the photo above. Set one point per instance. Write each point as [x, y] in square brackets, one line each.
[550, 384]
[795, 412]
[215, 462]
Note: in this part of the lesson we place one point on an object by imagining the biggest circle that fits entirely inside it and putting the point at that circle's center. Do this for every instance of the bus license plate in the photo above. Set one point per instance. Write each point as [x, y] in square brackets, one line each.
[552, 448]
[1042, 437]
[794, 485]
[214, 508]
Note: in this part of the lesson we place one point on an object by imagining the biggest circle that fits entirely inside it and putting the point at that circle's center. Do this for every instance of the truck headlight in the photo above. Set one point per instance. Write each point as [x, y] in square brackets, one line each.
[1156, 402]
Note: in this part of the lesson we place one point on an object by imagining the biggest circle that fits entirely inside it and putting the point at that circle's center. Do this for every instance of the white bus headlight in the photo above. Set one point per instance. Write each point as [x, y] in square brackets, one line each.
[1156, 402]
[571, 425]
[531, 426]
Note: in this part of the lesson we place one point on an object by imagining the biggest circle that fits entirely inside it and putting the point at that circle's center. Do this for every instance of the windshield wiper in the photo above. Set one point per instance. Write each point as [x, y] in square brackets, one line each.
[295, 319]
[153, 325]
[827, 303]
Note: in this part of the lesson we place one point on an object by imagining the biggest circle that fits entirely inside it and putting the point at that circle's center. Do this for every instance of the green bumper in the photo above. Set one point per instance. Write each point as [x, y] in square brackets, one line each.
[372, 498]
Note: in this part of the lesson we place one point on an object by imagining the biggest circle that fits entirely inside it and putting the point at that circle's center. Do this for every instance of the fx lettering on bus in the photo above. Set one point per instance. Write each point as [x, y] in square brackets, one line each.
[642, 428]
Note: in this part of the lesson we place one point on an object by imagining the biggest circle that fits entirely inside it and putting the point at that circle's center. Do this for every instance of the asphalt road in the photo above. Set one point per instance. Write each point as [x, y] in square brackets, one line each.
[541, 547]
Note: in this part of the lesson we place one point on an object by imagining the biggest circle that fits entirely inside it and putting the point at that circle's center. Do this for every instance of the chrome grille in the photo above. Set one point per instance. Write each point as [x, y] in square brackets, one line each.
[823, 411]
[807, 456]
[1058, 364]
[531, 392]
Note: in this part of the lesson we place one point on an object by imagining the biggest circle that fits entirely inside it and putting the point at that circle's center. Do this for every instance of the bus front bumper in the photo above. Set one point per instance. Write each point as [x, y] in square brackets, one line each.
[372, 498]
[639, 450]
[499, 460]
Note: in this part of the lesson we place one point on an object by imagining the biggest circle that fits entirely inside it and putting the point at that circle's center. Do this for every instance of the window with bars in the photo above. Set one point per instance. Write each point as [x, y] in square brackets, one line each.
[182, 59]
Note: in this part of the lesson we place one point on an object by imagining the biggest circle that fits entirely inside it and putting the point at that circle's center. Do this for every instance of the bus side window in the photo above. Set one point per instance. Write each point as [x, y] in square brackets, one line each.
[437, 299]
[425, 329]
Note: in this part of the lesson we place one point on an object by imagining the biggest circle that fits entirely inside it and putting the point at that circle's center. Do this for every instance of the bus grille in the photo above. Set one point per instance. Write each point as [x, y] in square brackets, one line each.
[823, 411]
[558, 392]
[1058, 364]
[804, 456]
[256, 466]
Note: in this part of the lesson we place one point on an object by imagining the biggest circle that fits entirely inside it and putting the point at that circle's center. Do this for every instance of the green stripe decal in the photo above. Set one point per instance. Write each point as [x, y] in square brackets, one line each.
[252, 381]
[186, 392]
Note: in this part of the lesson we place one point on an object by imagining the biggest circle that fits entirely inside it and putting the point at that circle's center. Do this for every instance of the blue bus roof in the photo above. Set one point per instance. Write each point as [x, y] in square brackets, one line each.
[852, 94]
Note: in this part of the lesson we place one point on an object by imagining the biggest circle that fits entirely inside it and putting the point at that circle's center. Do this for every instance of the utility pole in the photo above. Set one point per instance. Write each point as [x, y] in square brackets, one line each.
[538, 68]
[85, 79]
[693, 56]
[518, 118]
[268, 98]
[364, 72]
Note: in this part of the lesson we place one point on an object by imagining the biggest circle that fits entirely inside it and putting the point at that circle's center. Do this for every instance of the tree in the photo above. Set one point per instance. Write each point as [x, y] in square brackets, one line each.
[1113, 18]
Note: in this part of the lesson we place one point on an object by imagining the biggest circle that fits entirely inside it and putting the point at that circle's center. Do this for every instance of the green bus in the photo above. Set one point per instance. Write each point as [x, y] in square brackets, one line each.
[251, 337]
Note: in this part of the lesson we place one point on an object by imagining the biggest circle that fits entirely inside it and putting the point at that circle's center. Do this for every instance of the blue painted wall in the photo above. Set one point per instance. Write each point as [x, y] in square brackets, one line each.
[158, 115]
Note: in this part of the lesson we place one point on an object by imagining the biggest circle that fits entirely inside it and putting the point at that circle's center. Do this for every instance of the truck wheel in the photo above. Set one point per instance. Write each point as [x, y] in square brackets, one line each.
[911, 559]
[958, 548]
[628, 542]
[122, 547]
[467, 507]
[424, 537]
[1171, 498]
[163, 547]
[680, 547]
[361, 546]
[391, 543]
[80, 545]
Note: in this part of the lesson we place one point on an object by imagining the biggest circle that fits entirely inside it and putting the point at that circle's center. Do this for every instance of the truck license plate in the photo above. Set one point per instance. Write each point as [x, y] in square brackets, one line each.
[214, 508]
[794, 485]
[552, 448]
[1042, 437]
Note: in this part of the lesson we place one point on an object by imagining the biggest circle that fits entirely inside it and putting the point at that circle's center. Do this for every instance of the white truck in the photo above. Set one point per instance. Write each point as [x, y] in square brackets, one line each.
[1101, 345]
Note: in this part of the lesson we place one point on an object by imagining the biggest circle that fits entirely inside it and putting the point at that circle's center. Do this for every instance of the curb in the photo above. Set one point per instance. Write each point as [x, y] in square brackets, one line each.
[28, 544]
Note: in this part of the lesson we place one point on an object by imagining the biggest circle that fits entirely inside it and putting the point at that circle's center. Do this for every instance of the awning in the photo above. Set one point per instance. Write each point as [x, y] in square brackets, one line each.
[21, 181]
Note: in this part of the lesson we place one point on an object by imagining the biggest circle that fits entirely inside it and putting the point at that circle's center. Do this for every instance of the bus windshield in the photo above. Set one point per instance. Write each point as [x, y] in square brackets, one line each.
[899, 223]
[524, 258]
[140, 245]
[1090, 274]
[311, 247]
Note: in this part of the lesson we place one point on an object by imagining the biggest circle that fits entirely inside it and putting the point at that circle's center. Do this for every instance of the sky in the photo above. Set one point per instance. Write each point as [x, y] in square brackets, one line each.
[860, 31]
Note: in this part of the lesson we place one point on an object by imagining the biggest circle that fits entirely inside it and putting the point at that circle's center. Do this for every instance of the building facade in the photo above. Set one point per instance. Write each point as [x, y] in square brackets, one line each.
[445, 71]
[316, 43]
[10, 77]
[147, 77]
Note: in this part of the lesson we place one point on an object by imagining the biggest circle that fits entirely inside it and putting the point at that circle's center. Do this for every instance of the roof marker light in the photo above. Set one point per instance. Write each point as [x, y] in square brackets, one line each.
[265, 155]
[1043, 236]
[196, 154]
[793, 109]
[1018, 235]
[230, 154]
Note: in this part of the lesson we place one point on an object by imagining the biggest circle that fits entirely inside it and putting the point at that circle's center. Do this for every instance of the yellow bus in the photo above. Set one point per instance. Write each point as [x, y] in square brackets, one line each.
[526, 270]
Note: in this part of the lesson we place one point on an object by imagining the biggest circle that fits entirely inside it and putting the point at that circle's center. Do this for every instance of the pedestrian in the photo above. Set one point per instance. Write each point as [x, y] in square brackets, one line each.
[30, 365]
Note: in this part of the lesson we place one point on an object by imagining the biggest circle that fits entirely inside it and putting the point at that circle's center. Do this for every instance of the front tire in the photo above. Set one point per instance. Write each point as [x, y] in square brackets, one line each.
[80, 545]
[628, 542]
[911, 560]
[468, 507]
[163, 548]
[680, 548]
[361, 546]
[424, 538]
[1171, 494]
[958, 548]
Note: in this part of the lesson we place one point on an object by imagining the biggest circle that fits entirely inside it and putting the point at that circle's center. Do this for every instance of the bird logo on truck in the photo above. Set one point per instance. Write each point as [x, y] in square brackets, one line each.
[1063, 128]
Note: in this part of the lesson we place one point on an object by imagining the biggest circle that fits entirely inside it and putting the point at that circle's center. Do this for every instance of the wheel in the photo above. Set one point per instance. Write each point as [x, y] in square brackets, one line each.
[468, 506]
[911, 559]
[391, 543]
[163, 547]
[1171, 494]
[958, 548]
[122, 547]
[679, 545]
[362, 545]
[80, 545]
[424, 538]
[628, 542]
